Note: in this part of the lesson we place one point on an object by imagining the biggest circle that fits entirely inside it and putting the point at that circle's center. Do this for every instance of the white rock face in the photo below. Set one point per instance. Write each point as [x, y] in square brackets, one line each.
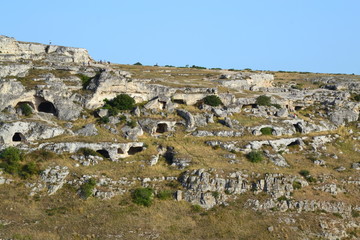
[14, 70]
[246, 81]
[27, 131]
[114, 151]
[10, 49]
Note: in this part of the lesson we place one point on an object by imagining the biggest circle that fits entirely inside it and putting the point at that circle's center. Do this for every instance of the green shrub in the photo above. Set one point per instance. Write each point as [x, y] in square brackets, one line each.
[26, 109]
[296, 185]
[282, 198]
[266, 131]
[212, 100]
[355, 213]
[356, 98]
[143, 196]
[138, 64]
[132, 123]
[263, 100]
[304, 173]
[255, 156]
[276, 105]
[87, 188]
[165, 194]
[216, 195]
[120, 102]
[10, 160]
[104, 120]
[85, 80]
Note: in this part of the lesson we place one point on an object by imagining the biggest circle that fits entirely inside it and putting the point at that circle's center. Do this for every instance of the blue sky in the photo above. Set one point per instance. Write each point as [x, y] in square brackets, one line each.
[293, 35]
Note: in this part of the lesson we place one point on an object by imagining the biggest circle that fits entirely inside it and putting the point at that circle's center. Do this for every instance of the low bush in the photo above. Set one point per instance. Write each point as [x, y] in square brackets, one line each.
[266, 131]
[263, 100]
[212, 100]
[132, 123]
[119, 103]
[104, 120]
[138, 64]
[143, 196]
[296, 185]
[11, 158]
[26, 109]
[87, 152]
[255, 156]
[87, 188]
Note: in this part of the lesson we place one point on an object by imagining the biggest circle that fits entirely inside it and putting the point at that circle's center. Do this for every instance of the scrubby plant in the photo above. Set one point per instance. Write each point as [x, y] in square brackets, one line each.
[104, 120]
[276, 105]
[10, 160]
[29, 170]
[263, 100]
[132, 123]
[26, 109]
[212, 100]
[356, 97]
[165, 194]
[119, 103]
[296, 185]
[196, 208]
[87, 152]
[255, 156]
[138, 64]
[143, 196]
[87, 188]
[307, 176]
[266, 131]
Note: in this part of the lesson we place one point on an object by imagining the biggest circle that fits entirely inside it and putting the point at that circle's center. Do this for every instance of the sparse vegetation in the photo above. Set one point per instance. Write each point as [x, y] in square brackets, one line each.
[143, 196]
[86, 189]
[165, 194]
[255, 156]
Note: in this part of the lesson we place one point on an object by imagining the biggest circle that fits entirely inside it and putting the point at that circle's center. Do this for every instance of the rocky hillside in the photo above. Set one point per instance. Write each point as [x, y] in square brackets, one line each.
[95, 150]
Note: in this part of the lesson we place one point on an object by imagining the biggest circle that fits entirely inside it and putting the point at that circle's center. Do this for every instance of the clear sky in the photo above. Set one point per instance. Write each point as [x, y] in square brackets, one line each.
[293, 35]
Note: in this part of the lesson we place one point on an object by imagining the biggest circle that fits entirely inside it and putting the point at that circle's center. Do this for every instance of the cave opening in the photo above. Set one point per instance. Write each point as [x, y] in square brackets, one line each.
[47, 107]
[18, 137]
[162, 128]
[134, 150]
[103, 153]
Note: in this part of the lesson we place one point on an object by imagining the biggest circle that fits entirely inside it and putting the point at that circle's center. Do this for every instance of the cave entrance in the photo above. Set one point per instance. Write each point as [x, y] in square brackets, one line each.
[295, 143]
[249, 106]
[298, 127]
[162, 128]
[298, 108]
[179, 101]
[18, 137]
[120, 151]
[134, 150]
[103, 153]
[162, 105]
[47, 107]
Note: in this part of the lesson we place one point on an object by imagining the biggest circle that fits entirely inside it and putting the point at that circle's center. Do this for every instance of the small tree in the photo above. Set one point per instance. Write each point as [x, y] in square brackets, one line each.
[138, 64]
[263, 100]
[212, 100]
